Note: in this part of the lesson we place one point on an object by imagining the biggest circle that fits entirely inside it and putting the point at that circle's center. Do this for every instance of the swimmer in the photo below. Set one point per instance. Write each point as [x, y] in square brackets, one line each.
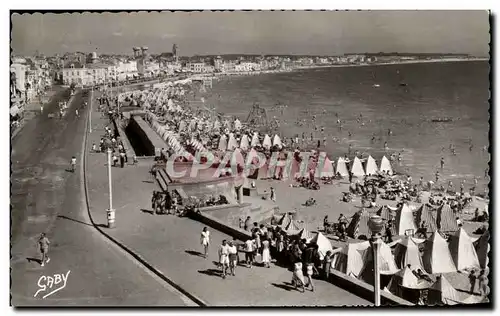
[322, 129]
[386, 146]
[389, 132]
[453, 152]
[400, 157]
[350, 149]
[349, 133]
[373, 139]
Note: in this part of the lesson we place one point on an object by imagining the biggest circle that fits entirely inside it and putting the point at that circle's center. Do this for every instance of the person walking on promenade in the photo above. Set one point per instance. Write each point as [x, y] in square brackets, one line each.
[249, 252]
[233, 257]
[483, 283]
[472, 280]
[309, 271]
[273, 195]
[73, 164]
[43, 245]
[205, 241]
[298, 276]
[122, 159]
[224, 258]
[266, 254]
[247, 224]
[327, 265]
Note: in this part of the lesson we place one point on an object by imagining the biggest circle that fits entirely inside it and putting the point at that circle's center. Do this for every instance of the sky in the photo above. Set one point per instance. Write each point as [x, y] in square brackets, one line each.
[256, 32]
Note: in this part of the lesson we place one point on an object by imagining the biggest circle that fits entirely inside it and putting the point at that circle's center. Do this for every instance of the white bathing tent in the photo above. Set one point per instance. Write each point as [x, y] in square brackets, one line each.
[255, 140]
[324, 168]
[404, 220]
[237, 124]
[266, 143]
[371, 166]
[357, 168]
[232, 144]
[244, 143]
[277, 141]
[341, 167]
[223, 142]
[462, 251]
[437, 257]
[385, 166]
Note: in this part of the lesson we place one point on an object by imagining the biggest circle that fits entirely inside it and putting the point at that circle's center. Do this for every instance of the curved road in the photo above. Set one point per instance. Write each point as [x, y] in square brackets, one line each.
[47, 198]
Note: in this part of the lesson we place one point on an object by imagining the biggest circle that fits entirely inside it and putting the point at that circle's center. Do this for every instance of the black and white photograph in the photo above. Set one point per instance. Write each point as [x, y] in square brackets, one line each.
[250, 158]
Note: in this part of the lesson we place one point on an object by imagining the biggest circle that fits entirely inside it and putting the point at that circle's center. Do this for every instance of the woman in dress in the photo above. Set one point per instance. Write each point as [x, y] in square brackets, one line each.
[266, 254]
[205, 241]
[298, 276]
[309, 271]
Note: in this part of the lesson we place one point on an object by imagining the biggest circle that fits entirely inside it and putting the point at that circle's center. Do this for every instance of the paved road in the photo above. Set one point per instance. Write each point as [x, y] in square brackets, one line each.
[45, 197]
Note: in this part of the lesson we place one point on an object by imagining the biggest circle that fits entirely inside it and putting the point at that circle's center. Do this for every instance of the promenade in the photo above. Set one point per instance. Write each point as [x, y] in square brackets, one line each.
[171, 244]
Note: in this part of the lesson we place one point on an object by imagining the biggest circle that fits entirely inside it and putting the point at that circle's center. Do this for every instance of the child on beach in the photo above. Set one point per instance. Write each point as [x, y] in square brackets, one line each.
[327, 264]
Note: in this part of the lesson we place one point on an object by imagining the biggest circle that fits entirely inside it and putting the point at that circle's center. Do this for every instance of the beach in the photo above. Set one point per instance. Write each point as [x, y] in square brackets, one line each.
[433, 90]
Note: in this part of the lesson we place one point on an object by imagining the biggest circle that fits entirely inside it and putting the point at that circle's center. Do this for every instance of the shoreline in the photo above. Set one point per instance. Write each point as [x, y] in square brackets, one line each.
[300, 68]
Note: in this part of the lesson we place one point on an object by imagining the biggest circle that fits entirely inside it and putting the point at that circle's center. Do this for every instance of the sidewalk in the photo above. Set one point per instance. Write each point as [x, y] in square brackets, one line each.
[170, 243]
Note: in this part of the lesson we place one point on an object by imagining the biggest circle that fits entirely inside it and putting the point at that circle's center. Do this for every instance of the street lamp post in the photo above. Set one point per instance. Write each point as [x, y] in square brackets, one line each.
[110, 211]
[376, 225]
[90, 114]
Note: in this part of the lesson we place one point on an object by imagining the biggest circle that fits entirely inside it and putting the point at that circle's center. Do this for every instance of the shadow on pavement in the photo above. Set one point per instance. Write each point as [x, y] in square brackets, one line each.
[39, 261]
[211, 272]
[147, 211]
[147, 181]
[194, 253]
[285, 286]
[74, 220]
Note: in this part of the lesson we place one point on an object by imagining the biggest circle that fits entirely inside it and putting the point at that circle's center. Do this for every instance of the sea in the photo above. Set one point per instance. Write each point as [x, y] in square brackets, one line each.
[370, 100]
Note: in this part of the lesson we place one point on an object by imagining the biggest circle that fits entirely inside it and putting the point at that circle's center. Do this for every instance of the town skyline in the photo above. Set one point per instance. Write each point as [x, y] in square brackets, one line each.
[255, 33]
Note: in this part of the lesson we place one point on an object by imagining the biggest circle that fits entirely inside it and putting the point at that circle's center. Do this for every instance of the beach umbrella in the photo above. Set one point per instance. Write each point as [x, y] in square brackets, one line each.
[244, 143]
[255, 140]
[267, 144]
[223, 143]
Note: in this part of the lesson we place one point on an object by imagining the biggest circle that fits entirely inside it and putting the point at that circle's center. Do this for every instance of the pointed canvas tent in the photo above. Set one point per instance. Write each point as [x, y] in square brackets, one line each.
[266, 143]
[244, 143]
[277, 141]
[442, 292]
[237, 158]
[386, 213]
[357, 168]
[387, 265]
[385, 166]
[406, 252]
[482, 248]
[446, 220]
[284, 221]
[255, 140]
[293, 228]
[324, 244]
[350, 259]
[404, 220]
[237, 125]
[436, 257]
[232, 144]
[341, 168]
[223, 143]
[462, 251]
[305, 234]
[427, 214]
[359, 225]
[406, 279]
[371, 166]
[324, 167]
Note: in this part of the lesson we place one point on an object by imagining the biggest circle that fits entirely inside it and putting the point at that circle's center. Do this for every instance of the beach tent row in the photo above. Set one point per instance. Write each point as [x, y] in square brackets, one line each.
[359, 171]
[171, 139]
[231, 143]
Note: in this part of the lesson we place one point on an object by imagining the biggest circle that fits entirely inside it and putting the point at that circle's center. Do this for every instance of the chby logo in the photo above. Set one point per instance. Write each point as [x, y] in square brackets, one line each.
[51, 284]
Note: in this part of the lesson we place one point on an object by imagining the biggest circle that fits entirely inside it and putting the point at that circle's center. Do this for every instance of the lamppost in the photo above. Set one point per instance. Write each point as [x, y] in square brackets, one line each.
[376, 224]
[90, 114]
[110, 211]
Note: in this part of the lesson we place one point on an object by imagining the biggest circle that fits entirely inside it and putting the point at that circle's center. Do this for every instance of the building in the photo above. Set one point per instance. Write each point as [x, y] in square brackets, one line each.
[229, 66]
[195, 67]
[18, 77]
